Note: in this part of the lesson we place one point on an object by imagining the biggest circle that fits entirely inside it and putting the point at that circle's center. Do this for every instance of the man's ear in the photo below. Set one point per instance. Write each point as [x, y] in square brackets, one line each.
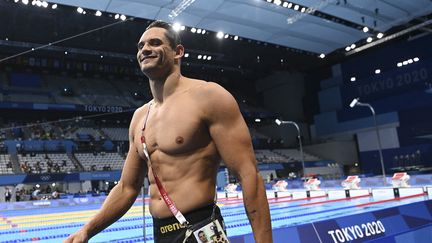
[179, 51]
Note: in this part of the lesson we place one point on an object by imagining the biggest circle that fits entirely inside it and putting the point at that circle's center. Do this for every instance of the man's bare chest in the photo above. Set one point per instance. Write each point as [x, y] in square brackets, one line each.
[172, 131]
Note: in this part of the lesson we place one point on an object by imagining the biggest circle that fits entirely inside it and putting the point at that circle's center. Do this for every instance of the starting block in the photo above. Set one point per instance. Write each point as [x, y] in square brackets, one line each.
[280, 186]
[351, 182]
[400, 180]
[231, 190]
[312, 184]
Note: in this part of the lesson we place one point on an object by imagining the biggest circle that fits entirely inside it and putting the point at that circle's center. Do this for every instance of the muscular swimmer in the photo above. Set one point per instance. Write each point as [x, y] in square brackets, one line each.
[189, 126]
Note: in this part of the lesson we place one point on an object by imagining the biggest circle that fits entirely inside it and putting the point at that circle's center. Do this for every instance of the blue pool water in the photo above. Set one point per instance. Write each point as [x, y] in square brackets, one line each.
[53, 224]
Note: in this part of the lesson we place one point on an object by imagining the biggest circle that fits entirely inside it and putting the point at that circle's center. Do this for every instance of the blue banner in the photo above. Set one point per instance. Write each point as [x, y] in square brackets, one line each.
[64, 177]
[376, 225]
[66, 107]
[416, 76]
[270, 166]
[100, 175]
[34, 178]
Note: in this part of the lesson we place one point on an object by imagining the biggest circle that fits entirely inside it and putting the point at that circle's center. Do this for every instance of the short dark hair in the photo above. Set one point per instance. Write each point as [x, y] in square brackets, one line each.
[172, 35]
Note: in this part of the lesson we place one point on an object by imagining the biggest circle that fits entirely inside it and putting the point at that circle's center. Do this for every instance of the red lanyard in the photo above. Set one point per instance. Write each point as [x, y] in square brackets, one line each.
[168, 201]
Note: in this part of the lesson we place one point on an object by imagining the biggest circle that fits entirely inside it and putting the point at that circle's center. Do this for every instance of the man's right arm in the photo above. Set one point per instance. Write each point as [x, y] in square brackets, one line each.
[121, 197]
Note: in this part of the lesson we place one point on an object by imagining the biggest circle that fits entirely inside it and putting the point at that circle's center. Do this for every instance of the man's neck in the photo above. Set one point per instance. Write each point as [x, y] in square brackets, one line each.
[164, 87]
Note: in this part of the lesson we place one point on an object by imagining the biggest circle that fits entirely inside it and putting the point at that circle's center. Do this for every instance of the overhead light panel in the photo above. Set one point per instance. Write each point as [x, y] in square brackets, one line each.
[176, 27]
[220, 35]
[409, 61]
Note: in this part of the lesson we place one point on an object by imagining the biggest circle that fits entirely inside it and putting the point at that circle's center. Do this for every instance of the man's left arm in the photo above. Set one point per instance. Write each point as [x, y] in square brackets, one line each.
[232, 138]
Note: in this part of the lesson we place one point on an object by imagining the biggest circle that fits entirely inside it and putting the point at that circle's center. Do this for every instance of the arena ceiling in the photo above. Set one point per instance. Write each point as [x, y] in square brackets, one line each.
[272, 34]
[318, 26]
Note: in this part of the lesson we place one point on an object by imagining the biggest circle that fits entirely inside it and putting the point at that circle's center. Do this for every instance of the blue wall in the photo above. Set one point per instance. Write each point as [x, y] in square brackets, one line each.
[25, 80]
[401, 97]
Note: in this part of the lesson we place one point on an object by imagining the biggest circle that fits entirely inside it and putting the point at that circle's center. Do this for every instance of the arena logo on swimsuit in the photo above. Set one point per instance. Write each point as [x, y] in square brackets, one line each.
[171, 227]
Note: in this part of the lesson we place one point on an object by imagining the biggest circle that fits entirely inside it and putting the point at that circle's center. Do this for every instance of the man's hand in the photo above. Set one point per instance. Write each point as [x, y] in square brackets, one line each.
[78, 237]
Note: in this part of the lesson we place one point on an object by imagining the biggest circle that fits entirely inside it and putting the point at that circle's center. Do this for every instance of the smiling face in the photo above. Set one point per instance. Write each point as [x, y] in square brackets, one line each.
[156, 55]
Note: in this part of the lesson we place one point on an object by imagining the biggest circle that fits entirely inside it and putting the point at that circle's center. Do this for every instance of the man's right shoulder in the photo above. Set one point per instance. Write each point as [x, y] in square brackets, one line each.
[142, 109]
[139, 112]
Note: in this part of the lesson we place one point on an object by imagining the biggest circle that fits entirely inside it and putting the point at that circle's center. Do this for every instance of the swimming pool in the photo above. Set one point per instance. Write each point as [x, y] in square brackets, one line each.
[53, 224]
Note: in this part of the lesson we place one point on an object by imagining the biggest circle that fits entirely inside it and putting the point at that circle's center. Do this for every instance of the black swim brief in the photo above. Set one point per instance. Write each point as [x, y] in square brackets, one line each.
[169, 230]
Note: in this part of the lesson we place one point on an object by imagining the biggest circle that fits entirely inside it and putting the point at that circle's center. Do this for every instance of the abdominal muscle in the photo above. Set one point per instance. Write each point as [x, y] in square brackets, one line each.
[189, 181]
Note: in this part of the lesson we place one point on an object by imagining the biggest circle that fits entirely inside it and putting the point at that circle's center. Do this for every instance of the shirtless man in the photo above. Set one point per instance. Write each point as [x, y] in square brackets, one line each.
[188, 127]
